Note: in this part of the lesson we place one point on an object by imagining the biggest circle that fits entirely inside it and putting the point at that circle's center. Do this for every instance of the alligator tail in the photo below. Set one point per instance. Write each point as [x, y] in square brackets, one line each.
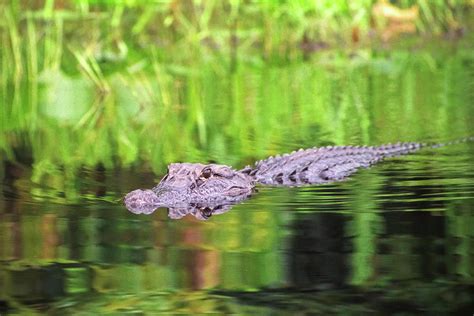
[452, 142]
[397, 149]
[331, 163]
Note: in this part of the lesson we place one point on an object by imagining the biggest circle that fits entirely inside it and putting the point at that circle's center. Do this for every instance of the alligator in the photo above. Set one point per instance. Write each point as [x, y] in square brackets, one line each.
[206, 189]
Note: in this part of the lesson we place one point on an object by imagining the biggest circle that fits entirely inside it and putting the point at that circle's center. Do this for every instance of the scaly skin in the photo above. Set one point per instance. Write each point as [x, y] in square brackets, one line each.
[206, 189]
[193, 186]
[324, 164]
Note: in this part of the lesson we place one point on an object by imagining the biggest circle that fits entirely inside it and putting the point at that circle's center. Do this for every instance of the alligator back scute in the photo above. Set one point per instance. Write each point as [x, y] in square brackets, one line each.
[324, 164]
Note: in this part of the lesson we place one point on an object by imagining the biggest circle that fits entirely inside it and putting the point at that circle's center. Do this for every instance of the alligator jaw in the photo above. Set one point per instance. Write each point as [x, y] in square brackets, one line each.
[147, 201]
[142, 201]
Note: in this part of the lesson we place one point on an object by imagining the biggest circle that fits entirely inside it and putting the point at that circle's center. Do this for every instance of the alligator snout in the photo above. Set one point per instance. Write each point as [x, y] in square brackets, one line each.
[142, 201]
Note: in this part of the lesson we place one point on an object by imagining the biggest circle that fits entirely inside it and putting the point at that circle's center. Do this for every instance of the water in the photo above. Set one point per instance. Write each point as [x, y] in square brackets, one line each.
[396, 238]
[360, 245]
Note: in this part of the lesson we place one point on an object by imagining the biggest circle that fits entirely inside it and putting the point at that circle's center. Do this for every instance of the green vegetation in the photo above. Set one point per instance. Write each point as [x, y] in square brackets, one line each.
[89, 83]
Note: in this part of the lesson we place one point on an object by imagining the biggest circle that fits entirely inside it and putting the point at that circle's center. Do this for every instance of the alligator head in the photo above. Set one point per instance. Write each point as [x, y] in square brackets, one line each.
[189, 184]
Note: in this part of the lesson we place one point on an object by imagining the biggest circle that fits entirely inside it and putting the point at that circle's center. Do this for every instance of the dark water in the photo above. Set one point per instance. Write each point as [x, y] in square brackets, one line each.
[396, 238]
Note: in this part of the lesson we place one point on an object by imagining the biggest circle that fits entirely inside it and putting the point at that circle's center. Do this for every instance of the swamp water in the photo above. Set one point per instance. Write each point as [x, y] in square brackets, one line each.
[398, 237]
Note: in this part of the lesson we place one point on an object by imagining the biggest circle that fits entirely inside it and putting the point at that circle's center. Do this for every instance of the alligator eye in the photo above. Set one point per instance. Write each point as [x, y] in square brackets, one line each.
[206, 172]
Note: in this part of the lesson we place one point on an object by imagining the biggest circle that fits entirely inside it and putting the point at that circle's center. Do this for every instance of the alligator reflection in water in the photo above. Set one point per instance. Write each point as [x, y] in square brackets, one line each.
[200, 211]
[203, 190]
